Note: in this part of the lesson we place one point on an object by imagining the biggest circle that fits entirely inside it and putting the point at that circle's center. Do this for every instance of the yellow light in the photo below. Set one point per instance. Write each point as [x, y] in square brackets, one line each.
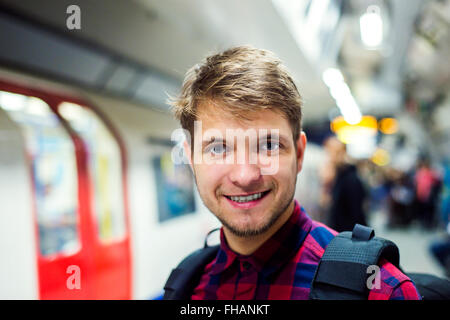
[348, 132]
[338, 123]
[388, 125]
[369, 122]
[381, 157]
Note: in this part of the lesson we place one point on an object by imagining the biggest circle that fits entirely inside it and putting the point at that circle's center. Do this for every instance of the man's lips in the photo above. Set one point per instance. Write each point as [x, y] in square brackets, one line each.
[247, 197]
[245, 194]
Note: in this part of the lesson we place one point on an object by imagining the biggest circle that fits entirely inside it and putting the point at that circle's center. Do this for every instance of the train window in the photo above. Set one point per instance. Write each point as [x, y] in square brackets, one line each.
[54, 172]
[105, 167]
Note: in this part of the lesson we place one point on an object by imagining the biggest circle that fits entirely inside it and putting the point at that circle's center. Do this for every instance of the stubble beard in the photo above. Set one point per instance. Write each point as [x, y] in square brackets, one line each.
[276, 211]
[274, 214]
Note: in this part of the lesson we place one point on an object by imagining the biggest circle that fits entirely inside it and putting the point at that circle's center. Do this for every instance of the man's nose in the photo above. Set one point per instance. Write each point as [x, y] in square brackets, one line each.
[245, 175]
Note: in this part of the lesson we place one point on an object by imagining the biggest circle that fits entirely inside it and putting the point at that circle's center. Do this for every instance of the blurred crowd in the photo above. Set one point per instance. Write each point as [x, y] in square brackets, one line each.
[353, 190]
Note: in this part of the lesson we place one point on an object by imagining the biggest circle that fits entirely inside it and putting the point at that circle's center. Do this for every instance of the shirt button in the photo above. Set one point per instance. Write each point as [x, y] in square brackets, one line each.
[246, 265]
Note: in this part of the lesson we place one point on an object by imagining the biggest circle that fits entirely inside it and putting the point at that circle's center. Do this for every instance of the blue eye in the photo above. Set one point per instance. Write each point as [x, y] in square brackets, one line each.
[217, 149]
[269, 145]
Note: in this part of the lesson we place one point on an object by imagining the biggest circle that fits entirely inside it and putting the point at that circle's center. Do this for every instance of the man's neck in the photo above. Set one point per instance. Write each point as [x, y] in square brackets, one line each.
[248, 245]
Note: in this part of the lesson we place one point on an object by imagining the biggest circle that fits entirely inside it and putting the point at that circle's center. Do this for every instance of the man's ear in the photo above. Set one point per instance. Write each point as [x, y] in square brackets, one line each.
[301, 146]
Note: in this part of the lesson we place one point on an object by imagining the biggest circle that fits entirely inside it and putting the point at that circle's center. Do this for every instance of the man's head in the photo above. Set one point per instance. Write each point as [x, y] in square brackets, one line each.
[238, 81]
[243, 90]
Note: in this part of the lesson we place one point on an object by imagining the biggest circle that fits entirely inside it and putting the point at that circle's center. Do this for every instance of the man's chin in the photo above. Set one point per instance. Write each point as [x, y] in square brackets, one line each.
[253, 225]
[245, 232]
[249, 228]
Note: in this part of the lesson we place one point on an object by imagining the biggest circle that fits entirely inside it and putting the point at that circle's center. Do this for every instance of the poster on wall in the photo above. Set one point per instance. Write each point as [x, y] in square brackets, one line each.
[175, 188]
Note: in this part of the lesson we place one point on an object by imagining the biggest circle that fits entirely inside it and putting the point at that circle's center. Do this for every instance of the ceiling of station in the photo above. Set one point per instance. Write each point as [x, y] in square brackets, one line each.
[167, 37]
[171, 36]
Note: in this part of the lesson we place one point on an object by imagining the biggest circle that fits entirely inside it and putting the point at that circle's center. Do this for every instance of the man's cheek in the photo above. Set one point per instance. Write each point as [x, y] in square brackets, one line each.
[269, 165]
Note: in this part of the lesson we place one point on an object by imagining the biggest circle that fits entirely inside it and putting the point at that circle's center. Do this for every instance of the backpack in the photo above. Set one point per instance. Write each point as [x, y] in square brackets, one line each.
[342, 273]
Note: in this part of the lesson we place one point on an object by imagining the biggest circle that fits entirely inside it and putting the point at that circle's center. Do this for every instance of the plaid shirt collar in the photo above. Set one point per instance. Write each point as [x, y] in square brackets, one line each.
[275, 252]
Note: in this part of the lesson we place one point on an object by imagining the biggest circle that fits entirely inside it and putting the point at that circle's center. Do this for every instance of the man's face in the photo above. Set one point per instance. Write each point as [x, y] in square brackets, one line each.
[243, 194]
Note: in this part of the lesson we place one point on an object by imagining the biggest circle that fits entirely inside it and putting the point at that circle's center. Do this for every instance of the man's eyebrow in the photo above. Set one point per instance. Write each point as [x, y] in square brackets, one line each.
[276, 136]
[211, 140]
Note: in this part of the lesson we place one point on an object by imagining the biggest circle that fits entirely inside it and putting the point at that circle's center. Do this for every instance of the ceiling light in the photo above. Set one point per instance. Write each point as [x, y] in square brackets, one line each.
[371, 27]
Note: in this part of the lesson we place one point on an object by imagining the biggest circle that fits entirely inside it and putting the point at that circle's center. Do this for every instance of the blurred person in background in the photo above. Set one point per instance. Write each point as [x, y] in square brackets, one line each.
[379, 186]
[427, 189]
[327, 173]
[445, 195]
[400, 199]
[440, 248]
[347, 198]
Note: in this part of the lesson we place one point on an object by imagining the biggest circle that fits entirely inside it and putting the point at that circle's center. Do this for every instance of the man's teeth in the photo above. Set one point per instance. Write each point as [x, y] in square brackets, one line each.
[247, 198]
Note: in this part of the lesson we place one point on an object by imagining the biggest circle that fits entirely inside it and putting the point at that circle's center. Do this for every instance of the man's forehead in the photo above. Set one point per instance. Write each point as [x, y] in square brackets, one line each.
[213, 114]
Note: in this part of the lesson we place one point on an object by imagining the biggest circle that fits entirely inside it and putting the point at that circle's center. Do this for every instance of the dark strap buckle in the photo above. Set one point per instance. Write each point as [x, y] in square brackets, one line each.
[361, 232]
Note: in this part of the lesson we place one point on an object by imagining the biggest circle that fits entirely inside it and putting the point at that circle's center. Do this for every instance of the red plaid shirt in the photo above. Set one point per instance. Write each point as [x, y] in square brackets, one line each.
[283, 267]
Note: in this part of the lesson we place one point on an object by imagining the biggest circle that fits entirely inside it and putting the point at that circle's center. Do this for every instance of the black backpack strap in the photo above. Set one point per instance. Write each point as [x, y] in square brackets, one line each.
[431, 287]
[342, 272]
[187, 274]
[183, 279]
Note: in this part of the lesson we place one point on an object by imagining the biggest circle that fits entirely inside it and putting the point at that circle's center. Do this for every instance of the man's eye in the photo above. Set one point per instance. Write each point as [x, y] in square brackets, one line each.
[217, 149]
[269, 145]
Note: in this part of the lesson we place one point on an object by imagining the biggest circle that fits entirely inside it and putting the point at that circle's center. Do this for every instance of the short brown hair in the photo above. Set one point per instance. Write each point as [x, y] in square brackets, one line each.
[242, 79]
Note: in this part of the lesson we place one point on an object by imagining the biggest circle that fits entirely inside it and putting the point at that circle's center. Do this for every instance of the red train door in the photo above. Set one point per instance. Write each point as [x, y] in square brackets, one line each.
[104, 180]
[80, 202]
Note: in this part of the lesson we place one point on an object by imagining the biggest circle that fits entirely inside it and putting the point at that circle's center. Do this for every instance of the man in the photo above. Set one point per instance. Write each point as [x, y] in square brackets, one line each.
[243, 112]
[347, 192]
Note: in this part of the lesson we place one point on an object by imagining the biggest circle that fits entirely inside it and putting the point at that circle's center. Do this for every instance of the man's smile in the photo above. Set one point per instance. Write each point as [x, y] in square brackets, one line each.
[247, 196]
[248, 200]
